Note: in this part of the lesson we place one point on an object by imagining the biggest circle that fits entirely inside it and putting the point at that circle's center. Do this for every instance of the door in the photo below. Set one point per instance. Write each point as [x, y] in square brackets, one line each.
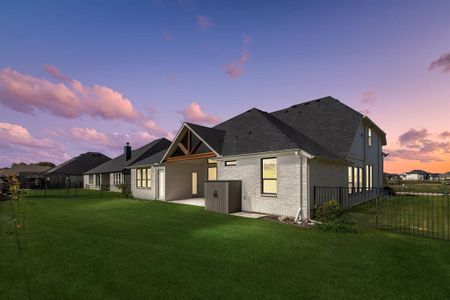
[161, 185]
[194, 184]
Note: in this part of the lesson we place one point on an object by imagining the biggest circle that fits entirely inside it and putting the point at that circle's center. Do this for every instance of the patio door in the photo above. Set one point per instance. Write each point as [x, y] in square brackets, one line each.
[161, 185]
[194, 184]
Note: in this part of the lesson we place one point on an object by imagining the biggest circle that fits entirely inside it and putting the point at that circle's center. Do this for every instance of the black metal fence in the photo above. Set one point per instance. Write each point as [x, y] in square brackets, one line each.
[73, 193]
[415, 213]
[346, 197]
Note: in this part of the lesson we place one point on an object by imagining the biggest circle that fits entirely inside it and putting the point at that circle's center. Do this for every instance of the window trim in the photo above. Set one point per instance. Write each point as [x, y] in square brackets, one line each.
[265, 179]
[230, 163]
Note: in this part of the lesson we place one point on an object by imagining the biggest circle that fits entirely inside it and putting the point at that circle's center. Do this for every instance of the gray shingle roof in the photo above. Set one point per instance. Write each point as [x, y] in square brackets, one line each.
[324, 127]
[326, 121]
[119, 164]
[80, 164]
[150, 160]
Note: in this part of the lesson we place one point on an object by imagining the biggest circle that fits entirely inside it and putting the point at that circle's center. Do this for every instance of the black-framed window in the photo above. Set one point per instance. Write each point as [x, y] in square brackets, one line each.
[269, 175]
[369, 177]
[369, 137]
[144, 178]
[230, 163]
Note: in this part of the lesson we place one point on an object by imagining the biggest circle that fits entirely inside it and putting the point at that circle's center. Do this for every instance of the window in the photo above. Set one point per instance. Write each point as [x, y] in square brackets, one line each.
[360, 179]
[117, 179]
[230, 163]
[194, 183]
[212, 173]
[350, 180]
[369, 137]
[369, 177]
[269, 175]
[138, 178]
[149, 178]
[91, 179]
[144, 177]
[212, 161]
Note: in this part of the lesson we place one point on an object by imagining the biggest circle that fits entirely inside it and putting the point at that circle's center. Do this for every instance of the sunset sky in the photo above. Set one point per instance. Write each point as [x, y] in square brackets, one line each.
[79, 76]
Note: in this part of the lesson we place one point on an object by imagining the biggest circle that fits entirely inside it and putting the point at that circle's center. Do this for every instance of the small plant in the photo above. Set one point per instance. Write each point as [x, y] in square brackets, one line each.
[332, 218]
[124, 190]
[328, 211]
[14, 187]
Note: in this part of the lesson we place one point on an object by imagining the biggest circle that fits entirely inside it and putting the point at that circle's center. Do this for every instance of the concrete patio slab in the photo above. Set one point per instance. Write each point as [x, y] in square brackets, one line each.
[249, 215]
[192, 201]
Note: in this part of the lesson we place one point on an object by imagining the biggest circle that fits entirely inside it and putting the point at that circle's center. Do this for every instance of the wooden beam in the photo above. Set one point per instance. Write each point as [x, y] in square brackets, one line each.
[183, 148]
[196, 147]
[191, 157]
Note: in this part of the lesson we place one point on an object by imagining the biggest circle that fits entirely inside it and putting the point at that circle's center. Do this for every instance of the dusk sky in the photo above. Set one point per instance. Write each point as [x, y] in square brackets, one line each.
[79, 76]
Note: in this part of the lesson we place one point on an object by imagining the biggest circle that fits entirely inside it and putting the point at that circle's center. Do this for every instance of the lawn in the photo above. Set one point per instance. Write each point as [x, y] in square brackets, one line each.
[85, 247]
[420, 186]
[410, 214]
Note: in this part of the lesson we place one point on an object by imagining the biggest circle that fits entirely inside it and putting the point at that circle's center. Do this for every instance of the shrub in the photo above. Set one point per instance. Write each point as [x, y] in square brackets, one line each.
[328, 211]
[125, 190]
[388, 190]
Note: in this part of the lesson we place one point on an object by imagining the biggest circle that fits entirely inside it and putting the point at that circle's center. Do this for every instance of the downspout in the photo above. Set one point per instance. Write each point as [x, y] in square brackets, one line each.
[299, 215]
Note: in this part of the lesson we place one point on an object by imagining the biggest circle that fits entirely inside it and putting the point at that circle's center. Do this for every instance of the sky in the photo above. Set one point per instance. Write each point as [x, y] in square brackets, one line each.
[79, 76]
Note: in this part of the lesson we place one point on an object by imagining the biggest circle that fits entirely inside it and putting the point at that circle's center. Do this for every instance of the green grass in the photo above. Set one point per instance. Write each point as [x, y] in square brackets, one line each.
[423, 187]
[113, 248]
[417, 215]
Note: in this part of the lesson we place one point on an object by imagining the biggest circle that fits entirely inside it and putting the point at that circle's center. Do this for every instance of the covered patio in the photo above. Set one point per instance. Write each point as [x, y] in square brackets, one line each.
[192, 201]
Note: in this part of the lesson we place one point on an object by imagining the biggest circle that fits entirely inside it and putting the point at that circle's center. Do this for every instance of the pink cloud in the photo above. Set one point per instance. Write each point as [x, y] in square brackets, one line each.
[56, 73]
[443, 62]
[112, 141]
[168, 37]
[369, 97]
[24, 93]
[69, 99]
[444, 135]
[22, 146]
[235, 68]
[204, 22]
[194, 114]
[152, 127]
[419, 145]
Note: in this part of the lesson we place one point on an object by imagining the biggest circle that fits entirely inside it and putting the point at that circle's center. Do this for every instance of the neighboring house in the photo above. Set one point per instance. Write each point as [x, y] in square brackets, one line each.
[29, 176]
[148, 177]
[416, 175]
[70, 173]
[434, 176]
[390, 176]
[445, 176]
[115, 172]
[279, 157]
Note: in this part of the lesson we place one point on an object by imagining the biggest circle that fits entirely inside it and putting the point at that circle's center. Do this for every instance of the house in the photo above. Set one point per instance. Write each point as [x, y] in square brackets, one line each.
[416, 175]
[280, 157]
[445, 176]
[29, 175]
[115, 172]
[70, 173]
[434, 176]
[148, 177]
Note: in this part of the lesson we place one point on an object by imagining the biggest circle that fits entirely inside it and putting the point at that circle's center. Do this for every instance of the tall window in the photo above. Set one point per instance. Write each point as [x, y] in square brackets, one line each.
[91, 179]
[350, 180]
[369, 177]
[138, 178]
[360, 179]
[369, 137]
[269, 176]
[149, 178]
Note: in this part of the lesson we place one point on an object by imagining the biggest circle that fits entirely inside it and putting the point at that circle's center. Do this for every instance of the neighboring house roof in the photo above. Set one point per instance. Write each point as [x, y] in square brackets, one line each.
[150, 160]
[417, 172]
[445, 174]
[24, 169]
[119, 163]
[80, 164]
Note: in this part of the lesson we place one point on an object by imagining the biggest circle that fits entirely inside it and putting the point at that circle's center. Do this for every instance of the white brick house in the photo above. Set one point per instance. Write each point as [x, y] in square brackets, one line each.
[279, 157]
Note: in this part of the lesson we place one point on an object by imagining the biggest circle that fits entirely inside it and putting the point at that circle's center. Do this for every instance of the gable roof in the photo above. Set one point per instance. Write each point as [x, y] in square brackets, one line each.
[417, 172]
[258, 131]
[327, 121]
[80, 164]
[324, 127]
[150, 160]
[119, 163]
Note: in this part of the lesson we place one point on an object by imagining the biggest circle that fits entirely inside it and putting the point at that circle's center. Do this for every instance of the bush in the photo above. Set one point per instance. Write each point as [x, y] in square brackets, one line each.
[125, 190]
[328, 211]
[388, 190]
[332, 218]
